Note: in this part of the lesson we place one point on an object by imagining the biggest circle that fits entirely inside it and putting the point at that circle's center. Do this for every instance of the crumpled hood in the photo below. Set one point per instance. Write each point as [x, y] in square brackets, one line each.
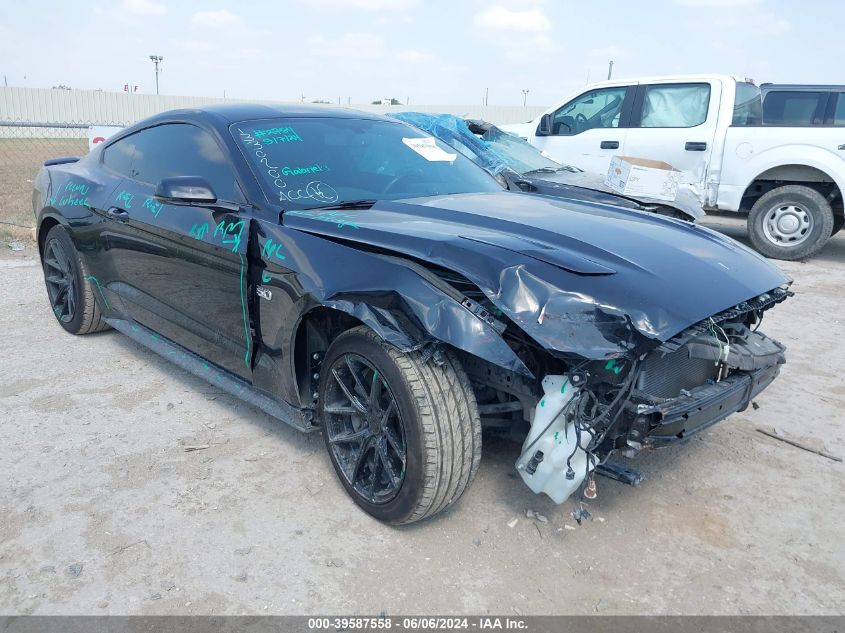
[579, 278]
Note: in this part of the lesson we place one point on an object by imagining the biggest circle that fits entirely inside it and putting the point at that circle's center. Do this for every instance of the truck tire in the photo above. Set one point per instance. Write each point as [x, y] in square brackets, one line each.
[790, 222]
[73, 296]
[403, 434]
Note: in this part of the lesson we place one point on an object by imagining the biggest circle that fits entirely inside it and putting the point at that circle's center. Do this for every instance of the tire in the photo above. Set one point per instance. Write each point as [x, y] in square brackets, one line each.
[69, 287]
[790, 222]
[430, 407]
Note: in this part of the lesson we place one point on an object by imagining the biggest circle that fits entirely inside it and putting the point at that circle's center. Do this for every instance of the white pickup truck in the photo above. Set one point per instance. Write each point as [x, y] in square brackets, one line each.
[788, 179]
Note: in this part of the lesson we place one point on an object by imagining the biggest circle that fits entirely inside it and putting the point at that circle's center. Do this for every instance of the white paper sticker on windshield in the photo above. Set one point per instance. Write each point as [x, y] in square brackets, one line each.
[427, 148]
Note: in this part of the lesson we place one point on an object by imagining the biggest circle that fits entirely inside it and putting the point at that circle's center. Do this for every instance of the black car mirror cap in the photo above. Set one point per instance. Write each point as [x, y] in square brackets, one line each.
[186, 190]
[545, 126]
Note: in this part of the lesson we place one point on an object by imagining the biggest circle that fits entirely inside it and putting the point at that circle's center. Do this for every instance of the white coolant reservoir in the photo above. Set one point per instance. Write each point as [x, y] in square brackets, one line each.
[550, 443]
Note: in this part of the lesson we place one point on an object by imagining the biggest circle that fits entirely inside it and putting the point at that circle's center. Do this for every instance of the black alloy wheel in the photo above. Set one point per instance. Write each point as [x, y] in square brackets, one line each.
[364, 429]
[60, 275]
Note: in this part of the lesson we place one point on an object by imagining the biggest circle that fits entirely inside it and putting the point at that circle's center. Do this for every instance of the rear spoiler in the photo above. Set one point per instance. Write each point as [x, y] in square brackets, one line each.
[61, 160]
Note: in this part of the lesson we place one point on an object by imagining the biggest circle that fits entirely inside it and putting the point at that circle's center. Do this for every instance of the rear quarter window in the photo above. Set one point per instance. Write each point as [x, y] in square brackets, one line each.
[793, 107]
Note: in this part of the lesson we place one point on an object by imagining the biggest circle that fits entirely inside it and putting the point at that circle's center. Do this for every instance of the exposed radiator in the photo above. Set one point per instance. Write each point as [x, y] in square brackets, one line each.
[665, 375]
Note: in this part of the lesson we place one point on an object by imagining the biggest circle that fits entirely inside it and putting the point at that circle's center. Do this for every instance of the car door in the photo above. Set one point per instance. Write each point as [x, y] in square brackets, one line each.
[675, 123]
[590, 129]
[182, 267]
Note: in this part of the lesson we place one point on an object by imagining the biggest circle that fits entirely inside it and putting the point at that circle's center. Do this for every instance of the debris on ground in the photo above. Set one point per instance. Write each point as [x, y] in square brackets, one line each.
[241, 577]
[74, 570]
[477, 542]
[580, 513]
[512, 523]
[777, 436]
[334, 562]
[48, 569]
[155, 596]
[198, 447]
[243, 551]
[16, 245]
[536, 516]
[566, 526]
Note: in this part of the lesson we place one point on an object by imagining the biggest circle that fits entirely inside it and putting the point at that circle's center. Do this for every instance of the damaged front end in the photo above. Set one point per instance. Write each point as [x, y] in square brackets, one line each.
[690, 382]
[583, 331]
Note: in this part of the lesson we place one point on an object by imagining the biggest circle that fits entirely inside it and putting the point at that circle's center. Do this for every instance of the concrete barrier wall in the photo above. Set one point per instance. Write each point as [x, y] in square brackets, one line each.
[43, 105]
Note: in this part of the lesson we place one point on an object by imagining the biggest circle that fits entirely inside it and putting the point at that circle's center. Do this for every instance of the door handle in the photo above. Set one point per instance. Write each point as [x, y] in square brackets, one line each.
[117, 213]
[609, 145]
[692, 146]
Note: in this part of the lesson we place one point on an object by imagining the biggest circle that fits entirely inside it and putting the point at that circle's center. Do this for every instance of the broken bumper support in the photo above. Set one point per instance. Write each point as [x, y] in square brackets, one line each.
[686, 415]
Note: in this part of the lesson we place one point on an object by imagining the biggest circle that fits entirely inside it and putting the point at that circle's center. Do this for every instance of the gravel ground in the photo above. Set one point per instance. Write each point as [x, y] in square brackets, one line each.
[104, 511]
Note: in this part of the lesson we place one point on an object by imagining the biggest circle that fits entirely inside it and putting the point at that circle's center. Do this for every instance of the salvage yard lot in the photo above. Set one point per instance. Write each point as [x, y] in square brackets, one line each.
[134, 487]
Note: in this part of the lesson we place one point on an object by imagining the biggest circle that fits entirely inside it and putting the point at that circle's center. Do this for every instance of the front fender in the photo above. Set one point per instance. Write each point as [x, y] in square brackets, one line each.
[299, 271]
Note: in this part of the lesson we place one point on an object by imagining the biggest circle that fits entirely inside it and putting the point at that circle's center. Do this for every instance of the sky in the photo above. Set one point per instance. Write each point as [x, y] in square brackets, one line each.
[421, 51]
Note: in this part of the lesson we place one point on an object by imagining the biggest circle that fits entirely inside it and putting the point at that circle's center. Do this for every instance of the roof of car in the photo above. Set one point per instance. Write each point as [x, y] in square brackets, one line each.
[803, 87]
[235, 112]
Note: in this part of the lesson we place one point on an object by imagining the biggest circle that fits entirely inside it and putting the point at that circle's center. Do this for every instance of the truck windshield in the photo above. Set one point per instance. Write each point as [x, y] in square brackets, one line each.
[748, 106]
[311, 162]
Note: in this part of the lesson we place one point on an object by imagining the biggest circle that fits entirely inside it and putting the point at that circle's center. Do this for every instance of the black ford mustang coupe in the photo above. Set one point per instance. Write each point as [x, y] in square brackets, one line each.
[349, 273]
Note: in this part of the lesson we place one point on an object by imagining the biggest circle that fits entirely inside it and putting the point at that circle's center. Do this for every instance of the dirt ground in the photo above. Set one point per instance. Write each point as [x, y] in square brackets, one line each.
[104, 511]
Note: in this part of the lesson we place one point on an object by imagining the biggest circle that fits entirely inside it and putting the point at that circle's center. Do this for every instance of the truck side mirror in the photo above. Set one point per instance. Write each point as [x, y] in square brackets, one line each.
[545, 127]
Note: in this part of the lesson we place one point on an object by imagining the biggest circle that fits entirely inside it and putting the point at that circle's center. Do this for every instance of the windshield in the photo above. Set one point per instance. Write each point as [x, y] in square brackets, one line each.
[314, 162]
[519, 154]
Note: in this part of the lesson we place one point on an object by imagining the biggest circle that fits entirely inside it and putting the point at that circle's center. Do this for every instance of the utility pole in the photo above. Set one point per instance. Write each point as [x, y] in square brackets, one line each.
[609, 69]
[486, 95]
[156, 59]
[525, 92]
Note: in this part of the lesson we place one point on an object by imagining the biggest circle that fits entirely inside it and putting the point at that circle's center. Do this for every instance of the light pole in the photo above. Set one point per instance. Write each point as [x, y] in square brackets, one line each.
[156, 59]
[609, 69]
[525, 92]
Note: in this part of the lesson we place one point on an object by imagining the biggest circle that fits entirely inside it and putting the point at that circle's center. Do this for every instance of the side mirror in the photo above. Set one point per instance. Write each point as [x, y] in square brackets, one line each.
[545, 127]
[186, 189]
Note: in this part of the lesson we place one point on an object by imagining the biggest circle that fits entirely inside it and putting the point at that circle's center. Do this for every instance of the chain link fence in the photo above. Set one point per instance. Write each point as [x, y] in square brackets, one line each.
[24, 146]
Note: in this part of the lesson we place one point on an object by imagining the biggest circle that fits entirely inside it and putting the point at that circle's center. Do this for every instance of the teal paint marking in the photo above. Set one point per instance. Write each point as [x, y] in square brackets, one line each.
[272, 249]
[265, 278]
[154, 206]
[243, 310]
[100, 288]
[126, 198]
[612, 366]
[341, 218]
[309, 169]
[79, 188]
[198, 232]
[231, 232]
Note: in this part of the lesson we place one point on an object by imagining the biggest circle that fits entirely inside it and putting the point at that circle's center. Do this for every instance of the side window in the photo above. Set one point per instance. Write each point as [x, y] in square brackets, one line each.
[748, 106]
[675, 105]
[595, 109]
[788, 107]
[173, 149]
[118, 156]
[839, 112]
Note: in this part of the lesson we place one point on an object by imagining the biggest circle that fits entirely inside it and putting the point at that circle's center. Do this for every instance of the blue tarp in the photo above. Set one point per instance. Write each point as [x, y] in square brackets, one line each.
[454, 131]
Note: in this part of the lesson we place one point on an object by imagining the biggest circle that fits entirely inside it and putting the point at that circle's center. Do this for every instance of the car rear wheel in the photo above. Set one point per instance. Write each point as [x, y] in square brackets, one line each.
[790, 222]
[69, 287]
[404, 435]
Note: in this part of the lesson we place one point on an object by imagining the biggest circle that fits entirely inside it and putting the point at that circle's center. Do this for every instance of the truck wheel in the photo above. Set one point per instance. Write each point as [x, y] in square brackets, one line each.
[69, 287]
[790, 222]
[404, 435]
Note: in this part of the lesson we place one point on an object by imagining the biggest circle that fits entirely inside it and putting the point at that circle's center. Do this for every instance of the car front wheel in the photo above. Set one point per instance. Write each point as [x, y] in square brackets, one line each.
[404, 435]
